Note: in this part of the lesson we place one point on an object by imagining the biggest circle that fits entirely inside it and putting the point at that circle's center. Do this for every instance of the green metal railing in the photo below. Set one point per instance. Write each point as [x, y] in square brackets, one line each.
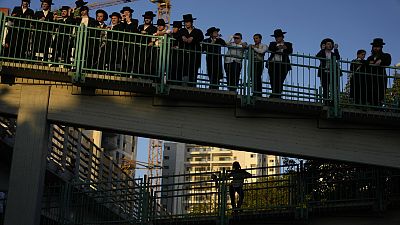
[287, 191]
[107, 59]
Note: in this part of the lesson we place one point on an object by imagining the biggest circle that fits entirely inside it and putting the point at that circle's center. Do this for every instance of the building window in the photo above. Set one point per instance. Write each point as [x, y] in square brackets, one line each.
[166, 167]
[271, 160]
[168, 148]
[166, 157]
[252, 155]
[271, 170]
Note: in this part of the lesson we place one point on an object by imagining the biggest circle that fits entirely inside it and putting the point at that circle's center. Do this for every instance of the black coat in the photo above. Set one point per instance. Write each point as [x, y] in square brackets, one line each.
[197, 35]
[132, 27]
[386, 60]
[194, 58]
[17, 12]
[214, 57]
[16, 38]
[43, 32]
[323, 69]
[92, 22]
[150, 30]
[64, 39]
[273, 48]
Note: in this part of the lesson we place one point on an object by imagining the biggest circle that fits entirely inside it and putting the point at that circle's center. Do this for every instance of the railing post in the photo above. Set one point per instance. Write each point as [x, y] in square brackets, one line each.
[78, 156]
[249, 85]
[334, 111]
[2, 31]
[79, 54]
[65, 148]
[223, 193]
[145, 201]
[162, 65]
[302, 204]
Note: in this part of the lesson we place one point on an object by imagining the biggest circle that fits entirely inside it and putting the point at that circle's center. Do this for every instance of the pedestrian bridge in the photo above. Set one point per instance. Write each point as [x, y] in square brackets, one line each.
[143, 96]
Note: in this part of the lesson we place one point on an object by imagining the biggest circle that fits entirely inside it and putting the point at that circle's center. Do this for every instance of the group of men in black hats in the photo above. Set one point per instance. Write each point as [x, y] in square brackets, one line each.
[137, 53]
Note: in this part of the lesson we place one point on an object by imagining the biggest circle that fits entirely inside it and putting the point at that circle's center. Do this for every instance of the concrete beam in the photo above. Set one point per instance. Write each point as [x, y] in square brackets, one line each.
[226, 127]
[29, 158]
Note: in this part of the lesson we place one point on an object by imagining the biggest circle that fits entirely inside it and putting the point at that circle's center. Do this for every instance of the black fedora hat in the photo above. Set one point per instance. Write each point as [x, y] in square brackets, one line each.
[278, 33]
[104, 13]
[115, 14]
[188, 17]
[50, 2]
[149, 14]
[177, 24]
[80, 3]
[28, 1]
[126, 8]
[65, 7]
[211, 30]
[160, 22]
[378, 42]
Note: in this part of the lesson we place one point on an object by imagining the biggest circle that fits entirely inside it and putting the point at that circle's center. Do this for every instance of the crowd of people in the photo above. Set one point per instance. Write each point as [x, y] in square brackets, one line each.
[368, 77]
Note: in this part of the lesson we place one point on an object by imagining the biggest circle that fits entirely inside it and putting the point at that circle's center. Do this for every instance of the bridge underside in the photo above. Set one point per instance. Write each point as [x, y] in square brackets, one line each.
[217, 119]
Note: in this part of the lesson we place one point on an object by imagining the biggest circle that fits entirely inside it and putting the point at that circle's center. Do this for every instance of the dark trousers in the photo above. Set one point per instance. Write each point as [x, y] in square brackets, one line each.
[277, 74]
[326, 86]
[233, 70]
[358, 88]
[232, 193]
[258, 71]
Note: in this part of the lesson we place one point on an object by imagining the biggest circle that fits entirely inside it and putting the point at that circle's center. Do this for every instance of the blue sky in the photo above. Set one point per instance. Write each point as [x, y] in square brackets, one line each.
[352, 24]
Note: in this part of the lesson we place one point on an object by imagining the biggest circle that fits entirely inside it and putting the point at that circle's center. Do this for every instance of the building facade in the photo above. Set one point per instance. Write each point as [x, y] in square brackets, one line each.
[188, 165]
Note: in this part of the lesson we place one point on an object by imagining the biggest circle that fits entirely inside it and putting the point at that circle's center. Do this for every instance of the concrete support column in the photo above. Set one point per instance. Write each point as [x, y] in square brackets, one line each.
[29, 158]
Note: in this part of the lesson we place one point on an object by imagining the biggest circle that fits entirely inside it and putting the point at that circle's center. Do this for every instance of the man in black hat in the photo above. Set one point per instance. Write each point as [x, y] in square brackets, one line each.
[145, 52]
[358, 84]
[214, 57]
[85, 18]
[43, 31]
[99, 43]
[278, 62]
[377, 81]
[148, 28]
[328, 58]
[17, 39]
[176, 69]
[190, 38]
[63, 41]
[131, 25]
[101, 18]
[115, 43]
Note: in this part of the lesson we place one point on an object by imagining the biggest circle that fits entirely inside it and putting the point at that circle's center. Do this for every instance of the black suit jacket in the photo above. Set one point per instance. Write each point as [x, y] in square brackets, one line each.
[132, 27]
[150, 30]
[273, 48]
[92, 22]
[322, 65]
[386, 60]
[17, 12]
[40, 15]
[197, 35]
